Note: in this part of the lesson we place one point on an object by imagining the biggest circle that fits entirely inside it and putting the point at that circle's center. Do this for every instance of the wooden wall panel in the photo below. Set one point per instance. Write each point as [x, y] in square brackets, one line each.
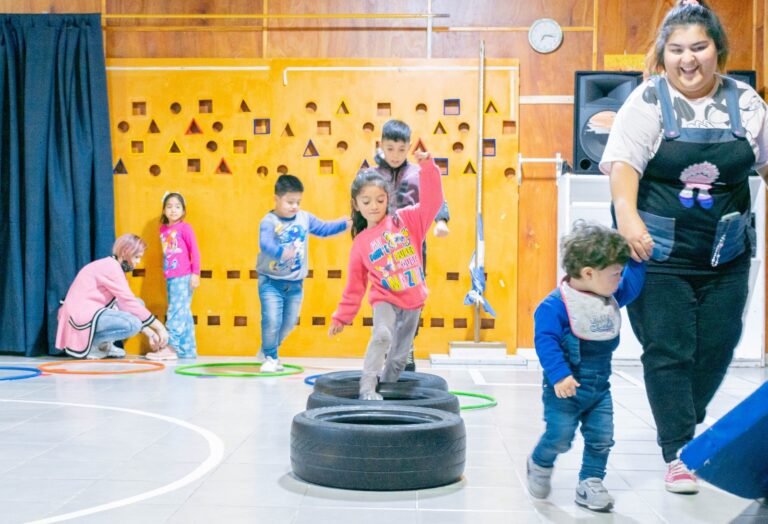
[623, 26]
[628, 26]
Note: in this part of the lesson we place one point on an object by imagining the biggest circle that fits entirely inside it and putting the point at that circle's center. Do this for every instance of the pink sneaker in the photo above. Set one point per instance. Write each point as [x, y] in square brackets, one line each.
[679, 478]
[162, 354]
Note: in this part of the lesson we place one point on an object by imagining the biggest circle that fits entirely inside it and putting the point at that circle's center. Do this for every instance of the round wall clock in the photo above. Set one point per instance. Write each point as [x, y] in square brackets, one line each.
[545, 35]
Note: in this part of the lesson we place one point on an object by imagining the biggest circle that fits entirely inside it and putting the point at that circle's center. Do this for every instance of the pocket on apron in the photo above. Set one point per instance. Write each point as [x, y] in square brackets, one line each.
[729, 237]
[662, 230]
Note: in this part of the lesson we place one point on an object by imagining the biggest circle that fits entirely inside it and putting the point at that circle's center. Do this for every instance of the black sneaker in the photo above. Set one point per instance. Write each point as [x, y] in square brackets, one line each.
[410, 364]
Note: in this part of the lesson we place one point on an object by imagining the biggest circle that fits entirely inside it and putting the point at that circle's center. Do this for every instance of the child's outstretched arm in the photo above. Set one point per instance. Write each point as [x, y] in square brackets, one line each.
[322, 228]
[430, 191]
[357, 281]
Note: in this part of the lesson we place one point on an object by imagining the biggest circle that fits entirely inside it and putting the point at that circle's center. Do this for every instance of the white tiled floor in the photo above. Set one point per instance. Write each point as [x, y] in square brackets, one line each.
[72, 443]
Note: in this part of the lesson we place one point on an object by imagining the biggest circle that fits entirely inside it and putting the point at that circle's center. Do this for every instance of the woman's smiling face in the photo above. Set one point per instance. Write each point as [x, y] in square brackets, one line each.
[690, 60]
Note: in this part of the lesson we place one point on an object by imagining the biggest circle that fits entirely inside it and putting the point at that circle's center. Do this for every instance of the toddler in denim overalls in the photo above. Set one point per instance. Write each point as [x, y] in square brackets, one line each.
[576, 331]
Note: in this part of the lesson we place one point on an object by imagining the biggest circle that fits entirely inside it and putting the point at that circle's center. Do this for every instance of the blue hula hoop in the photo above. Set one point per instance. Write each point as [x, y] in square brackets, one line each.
[310, 380]
[33, 372]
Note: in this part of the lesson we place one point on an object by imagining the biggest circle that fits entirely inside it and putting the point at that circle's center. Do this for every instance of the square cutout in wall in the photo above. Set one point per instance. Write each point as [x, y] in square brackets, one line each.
[442, 165]
[205, 106]
[261, 126]
[240, 147]
[324, 127]
[139, 108]
[137, 146]
[508, 127]
[489, 147]
[193, 165]
[327, 166]
[384, 109]
[452, 106]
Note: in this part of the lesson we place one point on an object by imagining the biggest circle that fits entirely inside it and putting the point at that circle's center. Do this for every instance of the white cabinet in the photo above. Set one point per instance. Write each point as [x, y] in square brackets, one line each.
[589, 197]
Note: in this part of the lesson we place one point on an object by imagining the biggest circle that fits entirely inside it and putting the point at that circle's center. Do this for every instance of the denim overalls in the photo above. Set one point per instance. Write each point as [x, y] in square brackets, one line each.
[592, 406]
[694, 200]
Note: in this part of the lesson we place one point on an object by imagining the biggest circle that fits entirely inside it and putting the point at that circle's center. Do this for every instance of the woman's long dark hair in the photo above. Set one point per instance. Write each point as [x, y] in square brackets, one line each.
[688, 12]
[365, 178]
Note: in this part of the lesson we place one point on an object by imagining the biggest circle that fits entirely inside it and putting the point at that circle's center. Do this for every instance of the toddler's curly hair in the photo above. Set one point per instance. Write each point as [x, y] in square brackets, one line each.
[590, 244]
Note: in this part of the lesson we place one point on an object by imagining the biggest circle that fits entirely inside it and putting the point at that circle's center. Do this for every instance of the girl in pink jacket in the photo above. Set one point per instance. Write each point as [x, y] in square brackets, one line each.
[181, 268]
[386, 253]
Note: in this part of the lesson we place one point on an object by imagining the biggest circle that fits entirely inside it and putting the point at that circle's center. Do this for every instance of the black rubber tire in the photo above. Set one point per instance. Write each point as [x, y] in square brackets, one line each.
[383, 448]
[393, 395]
[337, 379]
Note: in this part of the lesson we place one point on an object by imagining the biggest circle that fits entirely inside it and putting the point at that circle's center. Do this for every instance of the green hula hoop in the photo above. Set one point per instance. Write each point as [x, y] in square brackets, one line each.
[291, 369]
[491, 400]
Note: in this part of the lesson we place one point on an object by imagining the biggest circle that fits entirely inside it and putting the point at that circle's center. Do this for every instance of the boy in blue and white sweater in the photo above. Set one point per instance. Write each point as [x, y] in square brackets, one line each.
[282, 264]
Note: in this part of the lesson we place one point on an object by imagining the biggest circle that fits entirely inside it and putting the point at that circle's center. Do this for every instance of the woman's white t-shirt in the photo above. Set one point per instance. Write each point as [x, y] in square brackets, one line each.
[637, 131]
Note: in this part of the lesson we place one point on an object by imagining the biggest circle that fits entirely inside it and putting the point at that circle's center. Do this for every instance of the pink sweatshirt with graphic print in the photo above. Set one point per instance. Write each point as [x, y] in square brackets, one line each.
[389, 256]
[180, 254]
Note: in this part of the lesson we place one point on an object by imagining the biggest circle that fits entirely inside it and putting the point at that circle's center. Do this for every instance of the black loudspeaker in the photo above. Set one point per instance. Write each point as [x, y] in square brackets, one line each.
[748, 77]
[598, 96]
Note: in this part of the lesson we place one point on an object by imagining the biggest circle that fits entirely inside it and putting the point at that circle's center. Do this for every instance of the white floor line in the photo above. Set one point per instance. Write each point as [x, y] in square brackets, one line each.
[477, 377]
[215, 445]
[629, 378]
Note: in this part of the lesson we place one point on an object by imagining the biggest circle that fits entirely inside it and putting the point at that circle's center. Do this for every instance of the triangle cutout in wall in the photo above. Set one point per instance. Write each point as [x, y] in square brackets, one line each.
[310, 150]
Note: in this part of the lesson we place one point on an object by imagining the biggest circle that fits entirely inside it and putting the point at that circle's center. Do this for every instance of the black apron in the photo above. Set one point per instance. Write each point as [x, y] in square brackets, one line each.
[694, 194]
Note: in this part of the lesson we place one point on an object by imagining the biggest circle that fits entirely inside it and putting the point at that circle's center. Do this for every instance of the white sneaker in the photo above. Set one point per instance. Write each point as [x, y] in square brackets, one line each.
[271, 365]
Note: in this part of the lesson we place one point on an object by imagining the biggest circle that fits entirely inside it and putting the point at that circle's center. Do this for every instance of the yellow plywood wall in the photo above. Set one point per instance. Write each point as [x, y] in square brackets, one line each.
[217, 131]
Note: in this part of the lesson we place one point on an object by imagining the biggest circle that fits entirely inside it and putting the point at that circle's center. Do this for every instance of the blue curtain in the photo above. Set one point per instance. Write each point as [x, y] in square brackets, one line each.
[56, 190]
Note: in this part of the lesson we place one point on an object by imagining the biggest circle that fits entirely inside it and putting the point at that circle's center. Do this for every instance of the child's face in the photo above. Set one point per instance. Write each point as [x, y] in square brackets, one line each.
[395, 152]
[372, 202]
[603, 282]
[173, 210]
[287, 205]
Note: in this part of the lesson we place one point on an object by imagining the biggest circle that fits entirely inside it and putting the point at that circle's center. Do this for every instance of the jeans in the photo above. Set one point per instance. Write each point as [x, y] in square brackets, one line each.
[689, 326]
[391, 340]
[280, 306]
[179, 321]
[115, 325]
[592, 406]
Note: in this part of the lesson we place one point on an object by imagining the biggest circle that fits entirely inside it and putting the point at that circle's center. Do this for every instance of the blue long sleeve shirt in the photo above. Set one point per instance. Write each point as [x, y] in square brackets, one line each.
[277, 234]
[551, 322]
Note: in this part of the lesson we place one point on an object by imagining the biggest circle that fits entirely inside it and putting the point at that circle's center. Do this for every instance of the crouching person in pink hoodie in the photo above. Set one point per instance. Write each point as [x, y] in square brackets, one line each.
[100, 307]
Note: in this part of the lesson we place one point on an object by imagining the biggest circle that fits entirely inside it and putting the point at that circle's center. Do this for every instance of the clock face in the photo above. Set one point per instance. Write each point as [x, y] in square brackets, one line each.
[545, 35]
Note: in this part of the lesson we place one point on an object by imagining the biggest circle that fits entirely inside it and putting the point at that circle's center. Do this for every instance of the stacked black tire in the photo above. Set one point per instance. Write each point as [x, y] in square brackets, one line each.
[413, 439]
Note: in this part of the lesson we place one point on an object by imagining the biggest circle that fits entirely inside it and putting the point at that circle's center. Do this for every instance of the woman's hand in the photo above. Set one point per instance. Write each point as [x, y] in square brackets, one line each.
[152, 338]
[160, 332]
[194, 281]
[335, 328]
[625, 181]
[633, 229]
[566, 387]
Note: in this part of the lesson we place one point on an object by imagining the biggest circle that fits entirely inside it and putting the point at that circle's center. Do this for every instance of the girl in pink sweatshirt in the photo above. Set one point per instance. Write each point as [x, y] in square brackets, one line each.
[181, 267]
[386, 253]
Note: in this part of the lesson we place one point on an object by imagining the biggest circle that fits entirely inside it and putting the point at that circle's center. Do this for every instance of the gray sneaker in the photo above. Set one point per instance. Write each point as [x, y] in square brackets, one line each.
[591, 494]
[539, 479]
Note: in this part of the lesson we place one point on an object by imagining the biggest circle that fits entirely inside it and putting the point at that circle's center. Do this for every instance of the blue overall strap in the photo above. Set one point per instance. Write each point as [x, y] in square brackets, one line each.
[734, 115]
[671, 129]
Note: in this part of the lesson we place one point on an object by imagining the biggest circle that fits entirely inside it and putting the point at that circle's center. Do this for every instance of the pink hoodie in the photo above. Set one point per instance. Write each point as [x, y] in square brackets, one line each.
[98, 286]
[389, 256]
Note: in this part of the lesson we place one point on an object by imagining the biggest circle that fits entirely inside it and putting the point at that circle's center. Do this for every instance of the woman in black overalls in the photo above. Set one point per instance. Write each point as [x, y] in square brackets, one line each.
[689, 215]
